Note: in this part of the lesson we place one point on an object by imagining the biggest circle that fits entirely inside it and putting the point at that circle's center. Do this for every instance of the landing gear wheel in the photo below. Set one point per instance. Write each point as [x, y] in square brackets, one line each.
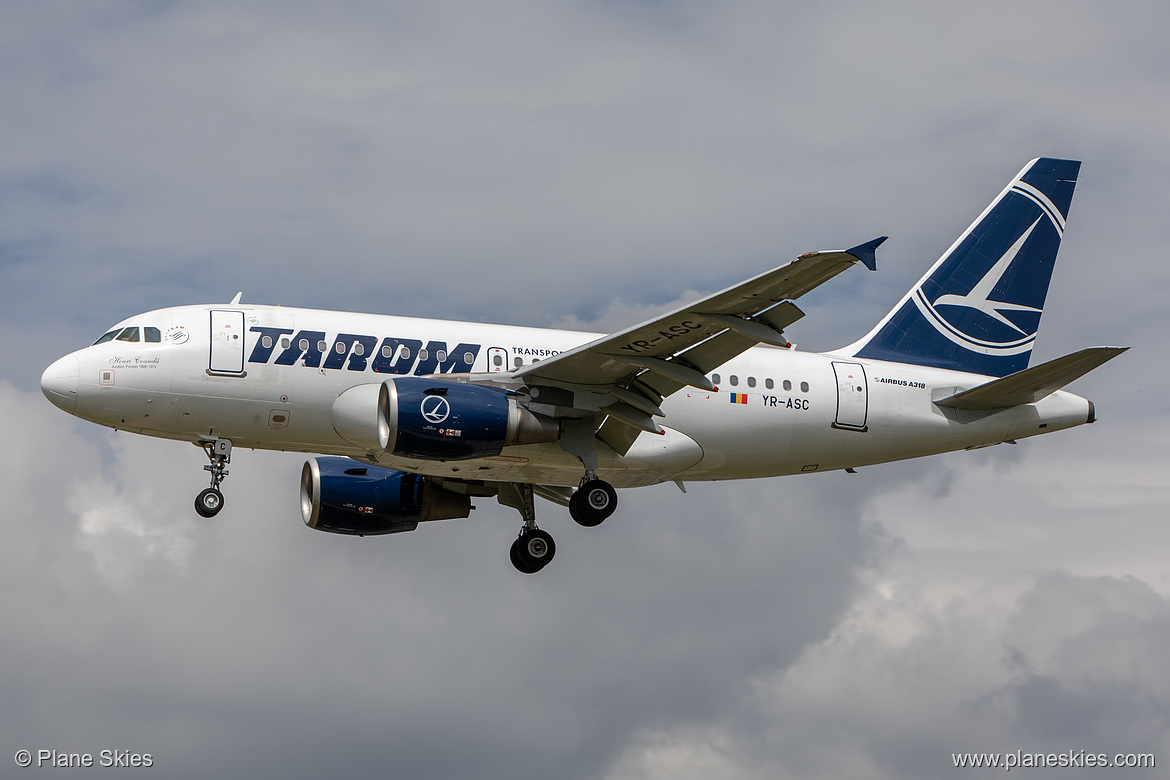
[533, 551]
[209, 502]
[521, 567]
[593, 502]
[219, 452]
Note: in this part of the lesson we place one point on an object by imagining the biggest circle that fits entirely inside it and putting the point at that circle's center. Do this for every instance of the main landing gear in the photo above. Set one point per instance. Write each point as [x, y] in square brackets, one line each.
[210, 501]
[534, 548]
[594, 501]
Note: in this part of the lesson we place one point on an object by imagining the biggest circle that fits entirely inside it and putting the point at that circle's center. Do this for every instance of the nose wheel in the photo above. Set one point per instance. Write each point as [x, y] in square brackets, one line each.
[210, 500]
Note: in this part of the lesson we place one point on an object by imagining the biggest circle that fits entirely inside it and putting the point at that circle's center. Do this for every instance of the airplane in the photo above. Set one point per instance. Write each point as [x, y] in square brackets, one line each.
[411, 419]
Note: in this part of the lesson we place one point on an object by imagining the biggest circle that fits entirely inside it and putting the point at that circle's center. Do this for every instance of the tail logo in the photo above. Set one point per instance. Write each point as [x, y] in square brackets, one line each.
[953, 315]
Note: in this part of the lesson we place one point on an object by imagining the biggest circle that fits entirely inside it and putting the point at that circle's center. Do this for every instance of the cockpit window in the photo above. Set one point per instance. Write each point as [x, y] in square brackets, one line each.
[129, 334]
[152, 334]
[108, 337]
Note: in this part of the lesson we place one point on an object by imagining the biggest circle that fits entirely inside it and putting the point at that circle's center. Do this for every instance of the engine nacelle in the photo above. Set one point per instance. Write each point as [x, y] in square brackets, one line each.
[343, 496]
[436, 420]
[361, 416]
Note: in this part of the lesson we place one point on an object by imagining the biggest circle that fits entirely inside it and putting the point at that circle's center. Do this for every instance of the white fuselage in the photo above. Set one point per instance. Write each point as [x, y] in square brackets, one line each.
[238, 372]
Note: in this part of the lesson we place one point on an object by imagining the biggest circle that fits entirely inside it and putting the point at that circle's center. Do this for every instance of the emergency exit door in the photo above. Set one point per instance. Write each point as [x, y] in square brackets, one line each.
[227, 343]
[852, 396]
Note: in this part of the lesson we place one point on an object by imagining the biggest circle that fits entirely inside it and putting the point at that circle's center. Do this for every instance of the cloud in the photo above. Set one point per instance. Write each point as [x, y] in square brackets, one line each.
[950, 649]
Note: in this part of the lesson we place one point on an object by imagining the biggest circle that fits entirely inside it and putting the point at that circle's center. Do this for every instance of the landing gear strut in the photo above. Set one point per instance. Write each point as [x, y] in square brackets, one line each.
[595, 499]
[533, 548]
[210, 501]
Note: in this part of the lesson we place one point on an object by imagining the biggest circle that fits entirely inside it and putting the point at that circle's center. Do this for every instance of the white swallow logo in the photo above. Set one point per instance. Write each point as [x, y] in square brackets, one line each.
[979, 297]
[435, 409]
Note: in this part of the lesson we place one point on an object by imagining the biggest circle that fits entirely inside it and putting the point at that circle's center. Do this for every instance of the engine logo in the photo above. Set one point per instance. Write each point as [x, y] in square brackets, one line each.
[435, 408]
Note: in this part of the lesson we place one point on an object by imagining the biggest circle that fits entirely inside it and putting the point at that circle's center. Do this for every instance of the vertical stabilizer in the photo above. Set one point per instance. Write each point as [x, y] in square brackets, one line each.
[978, 308]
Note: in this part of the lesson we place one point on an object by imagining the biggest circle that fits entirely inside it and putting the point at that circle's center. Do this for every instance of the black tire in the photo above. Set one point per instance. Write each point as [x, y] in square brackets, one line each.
[534, 550]
[520, 565]
[209, 502]
[593, 503]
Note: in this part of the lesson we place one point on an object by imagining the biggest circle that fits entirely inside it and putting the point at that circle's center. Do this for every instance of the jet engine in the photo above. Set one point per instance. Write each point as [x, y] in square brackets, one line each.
[430, 419]
[343, 496]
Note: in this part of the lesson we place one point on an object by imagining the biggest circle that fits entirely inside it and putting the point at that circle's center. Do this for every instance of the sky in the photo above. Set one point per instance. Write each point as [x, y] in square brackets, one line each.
[579, 164]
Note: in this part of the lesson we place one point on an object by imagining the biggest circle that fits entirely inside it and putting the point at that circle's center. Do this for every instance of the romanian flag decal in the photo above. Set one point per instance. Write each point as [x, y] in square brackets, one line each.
[739, 398]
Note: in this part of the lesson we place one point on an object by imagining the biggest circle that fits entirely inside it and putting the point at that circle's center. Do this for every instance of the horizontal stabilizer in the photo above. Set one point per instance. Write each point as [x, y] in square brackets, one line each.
[1032, 384]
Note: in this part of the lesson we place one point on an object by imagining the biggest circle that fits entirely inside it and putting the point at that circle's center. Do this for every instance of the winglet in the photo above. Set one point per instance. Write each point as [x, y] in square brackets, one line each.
[236, 300]
[867, 252]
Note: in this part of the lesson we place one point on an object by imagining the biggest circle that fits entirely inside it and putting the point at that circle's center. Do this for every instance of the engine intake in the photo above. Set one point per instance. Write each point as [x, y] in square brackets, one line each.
[343, 496]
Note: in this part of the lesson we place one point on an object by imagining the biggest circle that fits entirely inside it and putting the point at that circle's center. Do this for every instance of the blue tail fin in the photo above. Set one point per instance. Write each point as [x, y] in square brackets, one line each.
[978, 308]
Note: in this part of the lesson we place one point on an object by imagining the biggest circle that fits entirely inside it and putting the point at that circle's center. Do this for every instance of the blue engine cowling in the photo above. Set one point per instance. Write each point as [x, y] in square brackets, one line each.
[344, 496]
[437, 420]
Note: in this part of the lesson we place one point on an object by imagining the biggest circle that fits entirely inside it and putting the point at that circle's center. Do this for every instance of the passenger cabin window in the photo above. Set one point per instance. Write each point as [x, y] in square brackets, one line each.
[359, 349]
[787, 384]
[715, 379]
[768, 383]
[751, 381]
[129, 334]
[441, 355]
[267, 342]
[804, 387]
[406, 353]
[734, 380]
[469, 358]
[107, 337]
[519, 362]
[423, 354]
[497, 360]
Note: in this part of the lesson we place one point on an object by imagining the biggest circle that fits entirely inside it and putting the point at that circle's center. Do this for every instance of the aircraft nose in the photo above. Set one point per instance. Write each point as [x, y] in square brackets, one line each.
[59, 383]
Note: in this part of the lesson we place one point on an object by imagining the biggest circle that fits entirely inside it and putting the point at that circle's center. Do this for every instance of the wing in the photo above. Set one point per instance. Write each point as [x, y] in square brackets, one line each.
[624, 376]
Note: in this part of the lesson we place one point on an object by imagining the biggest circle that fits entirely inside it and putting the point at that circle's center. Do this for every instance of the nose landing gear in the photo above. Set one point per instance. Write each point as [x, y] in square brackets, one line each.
[210, 501]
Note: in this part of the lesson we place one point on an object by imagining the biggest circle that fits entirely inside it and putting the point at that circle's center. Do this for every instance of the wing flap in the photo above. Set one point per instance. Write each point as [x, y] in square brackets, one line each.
[620, 436]
[1031, 384]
